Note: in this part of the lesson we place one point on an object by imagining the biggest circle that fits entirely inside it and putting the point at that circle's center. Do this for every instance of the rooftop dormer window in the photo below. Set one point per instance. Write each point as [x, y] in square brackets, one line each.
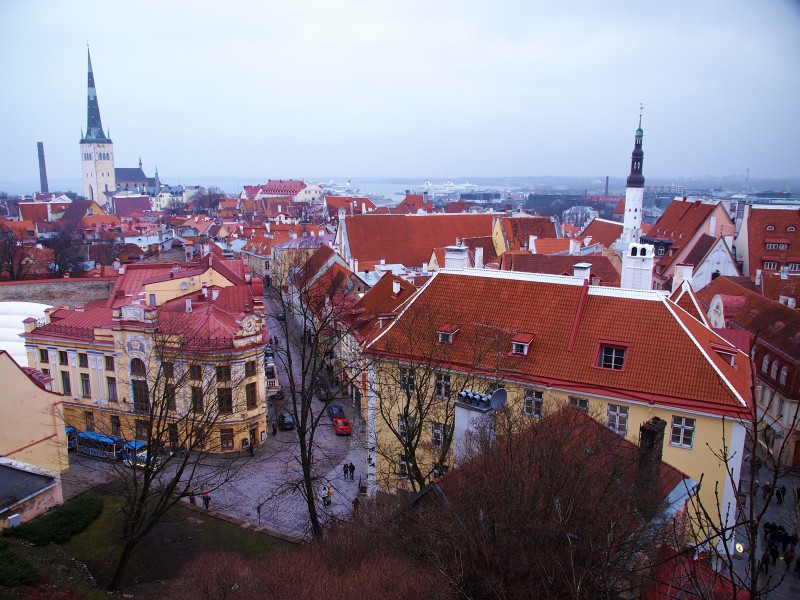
[447, 333]
[770, 227]
[520, 344]
[791, 228]
[611, 356]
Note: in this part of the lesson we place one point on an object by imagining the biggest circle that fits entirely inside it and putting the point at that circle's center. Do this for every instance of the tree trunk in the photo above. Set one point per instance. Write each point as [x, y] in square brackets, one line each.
[127, 549]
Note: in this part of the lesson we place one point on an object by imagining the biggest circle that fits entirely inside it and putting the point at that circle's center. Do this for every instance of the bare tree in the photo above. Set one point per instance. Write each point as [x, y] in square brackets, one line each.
[175, 405]
[312, 309]
[14, 256]
[65, 244]
[728, 538]
[417, 385]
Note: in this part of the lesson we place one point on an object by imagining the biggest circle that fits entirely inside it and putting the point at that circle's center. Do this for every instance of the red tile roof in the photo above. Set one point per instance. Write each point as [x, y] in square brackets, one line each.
[379, 301]
[780, 220]
[525, 262]
[409, 239]
[352, 205]
[579, 319]
[602, 231]
[519, 229]
[411, 204]
[33, 211]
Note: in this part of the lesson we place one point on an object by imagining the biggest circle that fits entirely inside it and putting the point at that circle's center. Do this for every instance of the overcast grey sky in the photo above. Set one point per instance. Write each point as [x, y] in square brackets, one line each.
[311, 88]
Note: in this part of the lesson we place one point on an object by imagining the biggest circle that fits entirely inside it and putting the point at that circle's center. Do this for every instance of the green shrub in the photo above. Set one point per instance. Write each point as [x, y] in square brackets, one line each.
[15, 569]
[61, 523]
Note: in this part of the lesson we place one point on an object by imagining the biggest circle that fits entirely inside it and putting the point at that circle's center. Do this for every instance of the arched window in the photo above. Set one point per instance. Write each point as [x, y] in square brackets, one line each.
[784, 373]
[634, 251]
[770, 227]
[765, 364]
[773, 372]
[138, 368]
[644, 252]
[791, 228]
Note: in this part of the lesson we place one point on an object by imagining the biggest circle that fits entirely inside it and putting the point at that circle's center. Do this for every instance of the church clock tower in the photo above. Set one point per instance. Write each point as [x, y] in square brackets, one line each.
[97, 152]
[634, 193]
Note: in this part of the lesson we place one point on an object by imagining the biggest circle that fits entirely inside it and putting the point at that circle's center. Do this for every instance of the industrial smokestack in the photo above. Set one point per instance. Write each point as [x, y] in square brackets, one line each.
[42, 169]
[606, 194]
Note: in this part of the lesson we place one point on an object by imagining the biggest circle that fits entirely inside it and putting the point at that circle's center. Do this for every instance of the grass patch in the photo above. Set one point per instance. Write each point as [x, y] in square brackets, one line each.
[61, 523]
[15, 569]
[179, 538]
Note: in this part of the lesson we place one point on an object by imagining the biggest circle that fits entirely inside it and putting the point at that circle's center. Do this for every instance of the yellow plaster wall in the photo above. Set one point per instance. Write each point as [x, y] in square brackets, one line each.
[31, 426]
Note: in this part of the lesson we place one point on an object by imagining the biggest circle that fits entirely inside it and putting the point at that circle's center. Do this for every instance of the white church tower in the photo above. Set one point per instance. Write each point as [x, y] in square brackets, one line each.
[634, 193]
[97, 152]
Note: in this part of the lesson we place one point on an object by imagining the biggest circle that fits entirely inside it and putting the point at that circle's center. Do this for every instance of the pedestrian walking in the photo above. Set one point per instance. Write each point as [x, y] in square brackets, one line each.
[779, 494]
[764, 564]
[192, 500]
[344, 470]
[765, 490]
[788, 558]
[330, 495]
[274, 429]
[356, 502]
[206, 500]
[773, 553]
[352, 469]
[325, 500]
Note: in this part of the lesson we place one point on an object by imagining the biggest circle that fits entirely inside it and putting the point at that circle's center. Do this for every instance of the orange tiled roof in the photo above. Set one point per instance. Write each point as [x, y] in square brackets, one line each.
[352, 205]
[526, 262]
[682, 218]
[519, 229]
[579, 318]
[602, 231]
[781, 220]
[409, 239]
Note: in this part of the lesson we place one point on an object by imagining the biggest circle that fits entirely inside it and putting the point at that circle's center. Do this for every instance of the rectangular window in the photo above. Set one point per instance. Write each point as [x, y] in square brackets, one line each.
[252, 395]
[44, 356]
[172, 433]
[116, 428]
[62, 357]
[83, 360]
[617, 418]
[682, 432]
[405, 427]
[534, 399]
[195, 372]
[86, 389]
[770, 265]
[197, 399]
[109, 363]
[442, 386]
[168, 370]
[581, 403]
[169, 395]
[407, 380]
[402, 468]
[141, 395]
[611, 357]
[224, 400]
[445, 338]
[224, 373]
[440, 435]
[226, 439]
[141, 430]
[88, 418]
[111, 383]
[66, 388]
[794, 266]
[772, 246]
[249, 368]
[519, 348]
[46, 371]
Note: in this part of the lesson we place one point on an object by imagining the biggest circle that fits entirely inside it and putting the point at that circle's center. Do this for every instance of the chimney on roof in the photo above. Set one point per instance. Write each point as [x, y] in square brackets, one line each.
[214, 294]
[605, 195]
[355, 265]
[479, 257]
[683, 272]
[204, 288]
[363, 208]
[115, 264]
[188, 305]
[122, 270]
[206, 249]
[581, 270]
[648, 466]
[637, 267]
[574, 247]
[395, 287]
[532, 243]
[455, 257]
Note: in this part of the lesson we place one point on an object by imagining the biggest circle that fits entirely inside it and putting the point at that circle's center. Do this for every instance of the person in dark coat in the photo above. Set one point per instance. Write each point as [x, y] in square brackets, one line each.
[773, 553]
[352, 469]
[207, 501]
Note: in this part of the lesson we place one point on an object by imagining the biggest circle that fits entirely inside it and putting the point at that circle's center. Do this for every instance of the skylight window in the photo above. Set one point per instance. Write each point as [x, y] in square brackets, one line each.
[611, 357]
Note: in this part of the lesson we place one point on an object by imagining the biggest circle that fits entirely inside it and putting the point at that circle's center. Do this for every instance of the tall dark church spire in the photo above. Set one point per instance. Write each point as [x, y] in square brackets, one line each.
[94, 127]
[636, 179]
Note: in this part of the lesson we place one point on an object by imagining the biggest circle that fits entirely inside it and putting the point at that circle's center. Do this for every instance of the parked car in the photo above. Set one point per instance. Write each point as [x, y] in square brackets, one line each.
[286, 421]
[335, 411]
[324, 394]
[341, 426]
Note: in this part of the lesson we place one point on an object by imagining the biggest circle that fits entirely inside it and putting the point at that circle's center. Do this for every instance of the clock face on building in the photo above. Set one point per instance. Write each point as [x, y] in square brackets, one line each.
[249, 324]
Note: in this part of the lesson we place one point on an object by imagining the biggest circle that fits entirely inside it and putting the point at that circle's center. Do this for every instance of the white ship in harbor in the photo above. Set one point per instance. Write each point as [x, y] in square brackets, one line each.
[338, 189]
[448, 188]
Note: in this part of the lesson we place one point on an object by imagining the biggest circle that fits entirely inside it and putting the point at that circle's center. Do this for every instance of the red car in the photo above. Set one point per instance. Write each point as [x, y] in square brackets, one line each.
[341, 426]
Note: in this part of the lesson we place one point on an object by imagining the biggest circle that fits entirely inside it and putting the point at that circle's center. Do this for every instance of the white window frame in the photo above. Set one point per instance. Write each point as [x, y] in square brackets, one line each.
[765, 364]
[402, 469]
[445, 337]
[617, 418]
[408, 380]
[770, 265]
[784, 374]
[441, 387]
[519, 348]
[773, 370]
[683, 428]
[610, 355]
[403, 426]
[582, 403]
[438, 432]
[534, 401]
